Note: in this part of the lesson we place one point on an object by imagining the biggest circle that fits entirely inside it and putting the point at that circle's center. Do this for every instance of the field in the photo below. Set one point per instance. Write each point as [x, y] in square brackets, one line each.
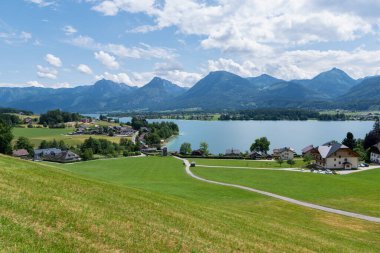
[357, 192]
[151, 205]
[248, 163]
[36, 135]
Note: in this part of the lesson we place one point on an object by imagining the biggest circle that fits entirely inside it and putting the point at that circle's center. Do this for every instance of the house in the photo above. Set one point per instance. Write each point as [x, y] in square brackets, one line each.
[39, 154]
[20, 153]
[334, 155]
[284, 153]
[232, 152]
[62, 157]
[375, 153]
[197, 153]
[256, 155]
[307, 150]
[28, 120]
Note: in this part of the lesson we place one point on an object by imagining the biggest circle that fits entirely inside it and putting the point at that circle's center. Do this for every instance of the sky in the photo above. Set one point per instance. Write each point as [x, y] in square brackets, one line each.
[66, 43]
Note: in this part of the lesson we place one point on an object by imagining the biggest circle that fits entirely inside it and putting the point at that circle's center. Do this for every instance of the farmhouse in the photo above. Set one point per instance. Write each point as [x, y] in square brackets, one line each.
[284, 153]
[20, 153]
[375, 153]
[63, 157]
[334, 155]
[307, 150]
[39, 154]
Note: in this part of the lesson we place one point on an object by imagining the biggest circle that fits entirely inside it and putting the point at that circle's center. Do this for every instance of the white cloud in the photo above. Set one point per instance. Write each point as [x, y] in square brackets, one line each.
[84, 69]
[12, 37]
[117, 78]
[45, 72]
[69, 30]
[107, 60]
[253, 27]
[303, 63]
[137, 52]
[41, 3]
[34, 84]
[53, 60]
[112, 7]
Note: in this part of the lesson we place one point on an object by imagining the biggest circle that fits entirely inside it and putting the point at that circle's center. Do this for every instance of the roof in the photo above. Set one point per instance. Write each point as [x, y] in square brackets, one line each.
[376, 147]
[280, 150]
[329, 148]
[307, 149]
[20, 152]
[66, 155]
[47, 151]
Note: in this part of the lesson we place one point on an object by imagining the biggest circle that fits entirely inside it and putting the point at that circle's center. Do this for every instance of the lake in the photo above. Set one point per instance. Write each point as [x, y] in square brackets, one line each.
[222, 135]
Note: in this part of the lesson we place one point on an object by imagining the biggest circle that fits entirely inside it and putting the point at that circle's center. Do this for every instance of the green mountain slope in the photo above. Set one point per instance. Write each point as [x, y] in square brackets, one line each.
[45, 209]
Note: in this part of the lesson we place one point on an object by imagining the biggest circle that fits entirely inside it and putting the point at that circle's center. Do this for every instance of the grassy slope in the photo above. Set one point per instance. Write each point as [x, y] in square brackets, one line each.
[36, 135]
[248, 163]
[358, 192]
[44, 209]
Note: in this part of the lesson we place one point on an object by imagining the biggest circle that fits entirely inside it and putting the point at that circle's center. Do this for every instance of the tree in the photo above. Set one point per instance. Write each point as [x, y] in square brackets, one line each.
[44, 144]
[307, 158]
[291, 162]
[279, 160]
[260, 145]
[204, 148]
[87, 154]
[365, 154]
[6, 138]
[185, 148]
[349, 141]
[24, 143]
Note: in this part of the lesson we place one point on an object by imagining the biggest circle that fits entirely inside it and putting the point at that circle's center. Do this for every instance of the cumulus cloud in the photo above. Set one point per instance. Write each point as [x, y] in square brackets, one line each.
[84, 69]
[69, 30]
[46, 72]
[53, 60]
[107, 60]
[252, 26]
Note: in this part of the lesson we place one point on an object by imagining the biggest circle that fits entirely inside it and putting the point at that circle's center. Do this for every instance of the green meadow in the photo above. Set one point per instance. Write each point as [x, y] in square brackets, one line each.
[151, 205]
[36, 135]
[357, 192]
[248, 163]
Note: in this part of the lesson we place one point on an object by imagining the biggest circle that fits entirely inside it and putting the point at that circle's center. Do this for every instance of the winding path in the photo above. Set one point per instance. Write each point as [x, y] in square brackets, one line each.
[290, 200]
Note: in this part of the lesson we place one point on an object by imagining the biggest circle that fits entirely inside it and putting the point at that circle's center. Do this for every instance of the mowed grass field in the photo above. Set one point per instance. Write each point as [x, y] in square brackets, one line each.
[36, 135]
[248, 163]
[151, 205]
[357, 192]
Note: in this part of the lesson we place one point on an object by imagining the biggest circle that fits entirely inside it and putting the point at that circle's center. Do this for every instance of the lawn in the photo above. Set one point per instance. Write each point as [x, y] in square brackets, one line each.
[150, 205]
[248, 163]
[36, 135]
[357, 192]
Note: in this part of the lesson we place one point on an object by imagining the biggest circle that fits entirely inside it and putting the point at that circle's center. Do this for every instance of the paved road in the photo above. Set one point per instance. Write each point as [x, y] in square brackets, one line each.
[247, 168]
[290, 200]
[361, 169]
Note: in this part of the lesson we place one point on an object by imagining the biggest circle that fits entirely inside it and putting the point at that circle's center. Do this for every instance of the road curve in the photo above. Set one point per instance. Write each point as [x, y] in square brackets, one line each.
[290, 200]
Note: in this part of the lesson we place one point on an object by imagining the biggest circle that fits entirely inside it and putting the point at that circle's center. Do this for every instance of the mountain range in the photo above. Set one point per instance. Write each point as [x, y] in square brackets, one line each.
[219, 90]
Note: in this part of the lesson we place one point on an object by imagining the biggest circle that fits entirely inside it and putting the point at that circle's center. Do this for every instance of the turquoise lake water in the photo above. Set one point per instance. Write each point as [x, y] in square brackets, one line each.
[222, 135]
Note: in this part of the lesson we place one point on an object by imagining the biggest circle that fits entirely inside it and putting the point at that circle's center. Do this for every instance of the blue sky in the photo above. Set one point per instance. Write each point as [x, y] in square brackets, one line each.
[65, 43]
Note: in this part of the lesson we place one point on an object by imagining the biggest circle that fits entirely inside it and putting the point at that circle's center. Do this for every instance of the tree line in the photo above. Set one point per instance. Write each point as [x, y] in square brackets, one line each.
[280, 114]
[57, 118]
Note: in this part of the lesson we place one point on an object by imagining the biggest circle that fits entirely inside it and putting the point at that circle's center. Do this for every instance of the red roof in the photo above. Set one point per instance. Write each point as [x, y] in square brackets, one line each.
[20, 152]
